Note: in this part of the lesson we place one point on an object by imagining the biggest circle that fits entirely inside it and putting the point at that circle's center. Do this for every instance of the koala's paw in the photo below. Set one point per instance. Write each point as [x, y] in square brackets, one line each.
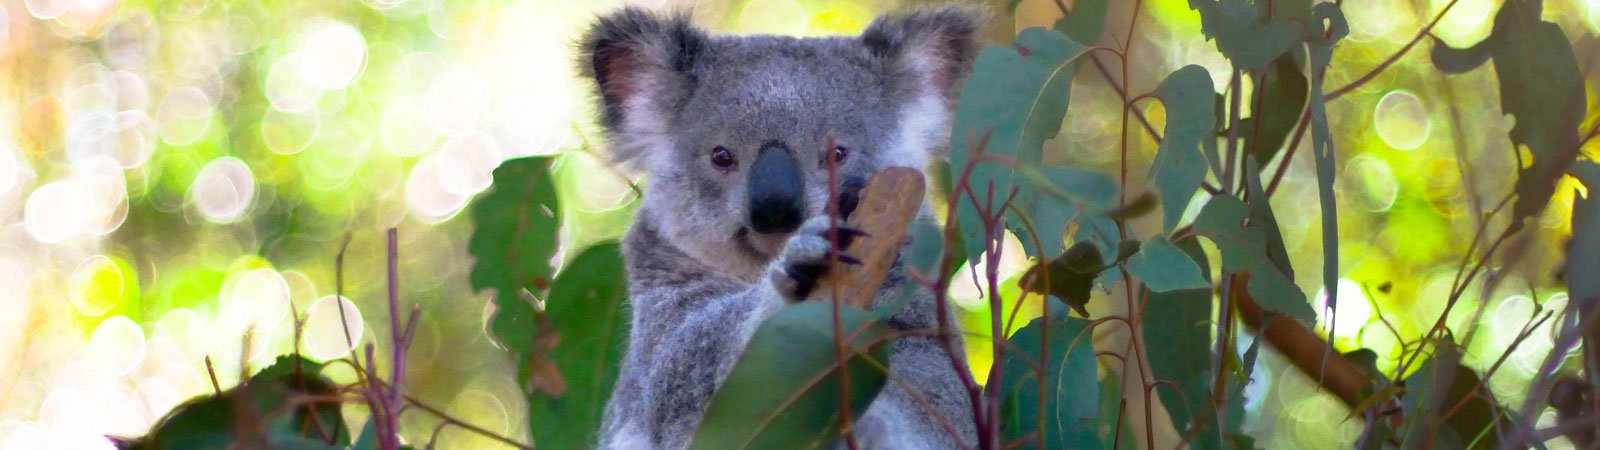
[807, 256]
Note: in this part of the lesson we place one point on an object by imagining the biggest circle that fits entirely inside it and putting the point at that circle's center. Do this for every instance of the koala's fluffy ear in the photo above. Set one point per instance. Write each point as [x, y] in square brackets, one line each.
[932, 49]
[642, 65]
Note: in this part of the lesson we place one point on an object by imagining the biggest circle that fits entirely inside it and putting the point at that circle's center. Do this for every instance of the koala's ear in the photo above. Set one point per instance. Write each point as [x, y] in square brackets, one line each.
[933, 49]
[641, 64]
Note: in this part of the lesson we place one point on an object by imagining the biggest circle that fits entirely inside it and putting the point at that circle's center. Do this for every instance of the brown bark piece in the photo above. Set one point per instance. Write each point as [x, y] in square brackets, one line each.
[1302, 347]
[889, 203]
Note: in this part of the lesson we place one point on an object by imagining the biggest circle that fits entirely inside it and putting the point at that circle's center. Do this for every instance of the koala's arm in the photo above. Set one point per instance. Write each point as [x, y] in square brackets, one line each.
[689, 327]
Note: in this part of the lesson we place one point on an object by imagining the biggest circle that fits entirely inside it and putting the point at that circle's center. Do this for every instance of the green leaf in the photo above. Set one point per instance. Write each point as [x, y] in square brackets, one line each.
[1180, 166]
[922, 256]
[1248, 237]
[1110, 404]
[1321, 46]
[368, 439]
[514, 229]
[1102, 232]
[1245, 33]
[1457, 60]
[1285, 89]
[256, 414]
[1181, 321]
[784, 391]
[1068, 277]
[1242, 442]
[1062, 189]
[1164, 268]
[1019, 95]
[1437, 386]
[1541, 87]
[588, 313]
[1583, 252]
[1069, 415]
[1084, 23]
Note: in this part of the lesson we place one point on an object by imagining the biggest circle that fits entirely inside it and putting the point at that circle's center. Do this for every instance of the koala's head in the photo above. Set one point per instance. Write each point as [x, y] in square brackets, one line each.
[734, 131]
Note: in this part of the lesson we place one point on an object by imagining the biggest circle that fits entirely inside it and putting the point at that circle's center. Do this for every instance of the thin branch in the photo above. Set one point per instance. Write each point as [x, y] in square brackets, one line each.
[1137, 113]
[1288, 155]
[466, 426]
[216, 387]
[1336, 93]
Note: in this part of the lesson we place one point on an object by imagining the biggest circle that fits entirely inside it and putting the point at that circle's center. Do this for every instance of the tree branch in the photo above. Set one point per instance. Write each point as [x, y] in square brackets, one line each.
[1301, 346]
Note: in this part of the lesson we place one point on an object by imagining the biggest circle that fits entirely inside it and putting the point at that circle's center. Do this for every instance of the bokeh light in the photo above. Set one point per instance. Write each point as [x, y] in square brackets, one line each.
[223, 189]
[1350, 314]
[1371, 181]
[325, 334]
[1401, 121]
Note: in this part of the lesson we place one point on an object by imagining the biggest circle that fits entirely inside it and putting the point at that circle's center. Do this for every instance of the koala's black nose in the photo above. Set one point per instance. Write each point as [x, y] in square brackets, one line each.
[777, 191]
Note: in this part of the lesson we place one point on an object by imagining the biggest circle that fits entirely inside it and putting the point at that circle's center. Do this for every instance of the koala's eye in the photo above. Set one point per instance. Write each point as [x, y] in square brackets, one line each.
[722, 157]
[839, 153]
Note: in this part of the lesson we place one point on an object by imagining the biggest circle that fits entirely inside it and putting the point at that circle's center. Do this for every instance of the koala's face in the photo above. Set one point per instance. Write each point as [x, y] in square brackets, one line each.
[737, 133]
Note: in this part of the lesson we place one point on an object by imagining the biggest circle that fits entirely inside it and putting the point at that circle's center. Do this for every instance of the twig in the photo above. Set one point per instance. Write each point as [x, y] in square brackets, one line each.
[216, 387]
[833, 283]
[941, 295]
[1137, 113]
[1336, 93]
[1232, 151]
[1288, 156]
[1527, 330]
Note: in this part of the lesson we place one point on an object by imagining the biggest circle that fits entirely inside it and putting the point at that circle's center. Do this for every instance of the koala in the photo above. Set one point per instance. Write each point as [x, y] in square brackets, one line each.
[733, 134]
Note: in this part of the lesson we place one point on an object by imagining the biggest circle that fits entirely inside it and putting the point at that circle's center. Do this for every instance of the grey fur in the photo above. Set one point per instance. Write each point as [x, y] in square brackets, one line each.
[699, 281]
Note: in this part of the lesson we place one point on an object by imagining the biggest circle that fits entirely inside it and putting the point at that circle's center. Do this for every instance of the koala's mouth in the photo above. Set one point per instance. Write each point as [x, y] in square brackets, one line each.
[758, 245]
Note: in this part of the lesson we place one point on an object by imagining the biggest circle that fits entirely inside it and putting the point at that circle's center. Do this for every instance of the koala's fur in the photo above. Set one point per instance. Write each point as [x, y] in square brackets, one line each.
[698, 279]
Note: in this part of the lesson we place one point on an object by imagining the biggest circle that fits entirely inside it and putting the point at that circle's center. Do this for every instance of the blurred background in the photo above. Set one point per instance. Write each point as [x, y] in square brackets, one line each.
[177, 174]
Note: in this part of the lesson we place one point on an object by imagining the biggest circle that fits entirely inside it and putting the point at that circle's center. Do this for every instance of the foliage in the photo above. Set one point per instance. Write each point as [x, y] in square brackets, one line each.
[1250, 242]
[1180, 315]
[1540, 85]
[1055, 396]
[568, 352]
[1017, 109]
[587, 333]
[786, 387]
[1180, 166]
[288, 405]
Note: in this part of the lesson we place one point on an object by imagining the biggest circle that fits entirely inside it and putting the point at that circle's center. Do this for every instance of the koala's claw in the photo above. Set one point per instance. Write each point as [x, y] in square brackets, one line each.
[850, 195]
[848, 235]
[847, 259]
[808, 255]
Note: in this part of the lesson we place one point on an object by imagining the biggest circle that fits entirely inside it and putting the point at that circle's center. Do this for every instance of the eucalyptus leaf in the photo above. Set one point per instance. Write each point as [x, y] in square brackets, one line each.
[784, 391]
[1180, 166]
[1019, 96]
[587, 310]
[515, 229]
[1583, 252]
[1540, 86]
[1162, 267]
[1070, 413]
[1068, 277]
[1101, 231]
[1321, 45]
[1246, 33]
[1458, 60]
[1084, 23]
[256, 414]
[1249, 239]
[1180, 320]
[1281, 97]
[1437, 386]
